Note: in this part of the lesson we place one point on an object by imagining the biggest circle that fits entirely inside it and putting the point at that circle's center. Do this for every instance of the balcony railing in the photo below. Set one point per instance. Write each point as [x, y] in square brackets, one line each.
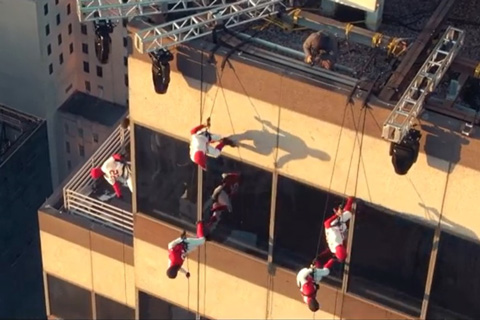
[76, 193]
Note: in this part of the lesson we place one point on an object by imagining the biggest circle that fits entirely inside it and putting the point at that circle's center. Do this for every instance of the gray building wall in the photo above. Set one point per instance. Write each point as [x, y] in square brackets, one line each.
[25, 183]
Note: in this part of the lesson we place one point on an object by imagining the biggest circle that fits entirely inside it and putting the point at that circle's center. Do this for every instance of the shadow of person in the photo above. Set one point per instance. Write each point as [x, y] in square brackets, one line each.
[265, 141]
[433, 214]
[442, 144]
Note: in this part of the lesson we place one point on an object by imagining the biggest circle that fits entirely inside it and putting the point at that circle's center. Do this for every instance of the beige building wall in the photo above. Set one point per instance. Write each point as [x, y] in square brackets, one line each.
[72, 252]
[308, 144]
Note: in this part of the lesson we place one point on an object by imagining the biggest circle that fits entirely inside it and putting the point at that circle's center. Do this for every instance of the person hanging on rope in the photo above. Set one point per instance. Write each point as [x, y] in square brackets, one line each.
[336, 233]
[308, 280]
[221, 199]
[321, 48]
[116, 170]
[200, 146]
[179, 248]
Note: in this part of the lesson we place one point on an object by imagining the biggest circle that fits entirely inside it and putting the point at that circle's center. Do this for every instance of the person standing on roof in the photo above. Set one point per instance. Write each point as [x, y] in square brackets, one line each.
[321, 48]
[200, 146]
[116, 170]
[179, 248]
[221, 198]
[308, 280]
[336, 233]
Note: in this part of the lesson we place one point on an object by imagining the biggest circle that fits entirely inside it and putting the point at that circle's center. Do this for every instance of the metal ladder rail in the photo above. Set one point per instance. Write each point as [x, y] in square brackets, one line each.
[428, 77]
[96, 10]
[201, 24]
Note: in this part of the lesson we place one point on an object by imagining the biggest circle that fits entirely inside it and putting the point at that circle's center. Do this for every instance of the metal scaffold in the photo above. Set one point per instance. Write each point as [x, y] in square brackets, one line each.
[410, 105]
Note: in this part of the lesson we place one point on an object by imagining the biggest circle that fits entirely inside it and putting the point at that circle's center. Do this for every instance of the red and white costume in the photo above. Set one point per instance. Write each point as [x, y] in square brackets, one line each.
[336, 232]
[200, 146]
[179, 248]
[308, 280]
[116, 171]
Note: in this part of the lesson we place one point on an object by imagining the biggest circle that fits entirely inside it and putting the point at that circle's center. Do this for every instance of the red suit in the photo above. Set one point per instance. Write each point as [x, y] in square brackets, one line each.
[200, 146]
[336, 233]
[179, 248]
[308, 280]
[116, 171]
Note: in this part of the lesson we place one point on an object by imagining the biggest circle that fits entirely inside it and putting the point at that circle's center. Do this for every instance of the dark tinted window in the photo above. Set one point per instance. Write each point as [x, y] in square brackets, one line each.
[67, 300]
[299, 226]
[389, 259]
[166, 178]
[109, 309]
[456, 281]
[247, 226]
[152, 308]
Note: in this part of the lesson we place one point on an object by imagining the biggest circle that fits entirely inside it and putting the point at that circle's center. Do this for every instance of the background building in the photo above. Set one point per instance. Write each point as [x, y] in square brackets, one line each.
[49, 55]
[24, 185]
[410, 242]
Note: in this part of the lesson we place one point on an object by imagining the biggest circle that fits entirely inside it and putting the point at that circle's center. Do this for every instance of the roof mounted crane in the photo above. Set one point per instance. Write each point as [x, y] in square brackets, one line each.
[151, 40]
[398, 128]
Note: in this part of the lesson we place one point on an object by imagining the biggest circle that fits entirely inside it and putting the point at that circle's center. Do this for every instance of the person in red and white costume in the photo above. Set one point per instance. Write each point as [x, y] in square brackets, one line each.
[221, 198]
[116, 170]
[308, 280]
[179, 248]
[200, 144]
[336, 233]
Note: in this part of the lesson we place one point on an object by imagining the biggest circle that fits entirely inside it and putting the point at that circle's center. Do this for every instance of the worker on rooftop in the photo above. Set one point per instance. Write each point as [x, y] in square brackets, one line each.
[308, 280]
[321, 48]
[221, 199]
[336, 233]
[116, 170]
[200, 146]
[179, 248]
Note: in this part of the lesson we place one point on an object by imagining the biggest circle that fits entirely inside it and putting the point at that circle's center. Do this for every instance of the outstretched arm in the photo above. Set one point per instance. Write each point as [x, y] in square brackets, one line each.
[348, 206]
[174, 243]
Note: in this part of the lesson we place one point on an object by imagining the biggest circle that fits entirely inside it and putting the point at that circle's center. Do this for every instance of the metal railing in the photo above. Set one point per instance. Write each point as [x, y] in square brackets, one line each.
[76, 193]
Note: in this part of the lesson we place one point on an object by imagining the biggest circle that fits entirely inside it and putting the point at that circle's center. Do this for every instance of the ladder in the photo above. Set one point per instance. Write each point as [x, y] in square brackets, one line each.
[95, 10]
[410, 105]
[201, 24]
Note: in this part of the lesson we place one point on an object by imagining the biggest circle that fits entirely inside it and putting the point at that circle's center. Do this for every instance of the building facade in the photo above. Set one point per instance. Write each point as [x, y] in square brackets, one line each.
[49, 55]
[302, 150]
[25, 184]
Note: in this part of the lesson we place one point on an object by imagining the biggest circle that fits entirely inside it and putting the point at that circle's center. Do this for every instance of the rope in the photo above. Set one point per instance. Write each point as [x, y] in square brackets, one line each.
[188, 286]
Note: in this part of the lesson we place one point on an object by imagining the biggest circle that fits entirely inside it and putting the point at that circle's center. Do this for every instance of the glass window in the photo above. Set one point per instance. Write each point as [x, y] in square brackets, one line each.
[86, 67]
[71, 48]
[389, 259]
[456, 284]
[47, 29]
[299, 226]
[247, 226]
[69, 9]
[67, 300]
[58, 19]
[81, 150]
[95, 138]
[49, 49]
[108, 309]
[50, 69]
[87, 86]
[70, 28]
[83, 29]
[45, 9]
[152, 308]
[59, 39]
[166, 178]
[84, 48]
[67, 147]
[60, 58]
[99, 72]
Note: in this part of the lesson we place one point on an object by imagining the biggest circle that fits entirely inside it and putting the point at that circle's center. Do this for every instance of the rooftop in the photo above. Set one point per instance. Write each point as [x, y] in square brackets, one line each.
[93, 109]
[15, 127]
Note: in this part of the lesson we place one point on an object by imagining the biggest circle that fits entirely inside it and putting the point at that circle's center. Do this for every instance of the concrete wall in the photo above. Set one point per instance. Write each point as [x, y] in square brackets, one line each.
[71, 251]
[309, 119]
[238, 286]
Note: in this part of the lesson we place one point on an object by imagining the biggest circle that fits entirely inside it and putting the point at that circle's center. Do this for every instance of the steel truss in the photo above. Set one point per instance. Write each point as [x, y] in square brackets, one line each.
[410, 105]
[202, 24]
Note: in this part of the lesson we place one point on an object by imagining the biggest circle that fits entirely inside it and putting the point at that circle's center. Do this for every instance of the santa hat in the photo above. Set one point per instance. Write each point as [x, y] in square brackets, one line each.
[200, 159]
[308, 289]
[96, 173]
